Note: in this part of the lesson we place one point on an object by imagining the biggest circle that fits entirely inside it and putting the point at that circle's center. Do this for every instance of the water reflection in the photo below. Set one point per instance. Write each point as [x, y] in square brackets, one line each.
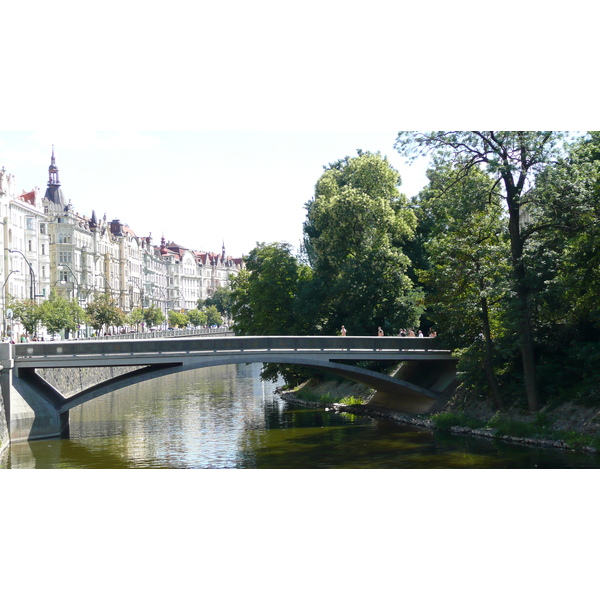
[225, 417]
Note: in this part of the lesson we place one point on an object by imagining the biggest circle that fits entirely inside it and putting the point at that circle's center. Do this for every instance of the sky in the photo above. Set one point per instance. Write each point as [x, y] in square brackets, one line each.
[199, 189]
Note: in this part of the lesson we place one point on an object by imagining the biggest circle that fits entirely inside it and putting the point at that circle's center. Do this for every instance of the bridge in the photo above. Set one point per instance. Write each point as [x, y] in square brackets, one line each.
[36, 410]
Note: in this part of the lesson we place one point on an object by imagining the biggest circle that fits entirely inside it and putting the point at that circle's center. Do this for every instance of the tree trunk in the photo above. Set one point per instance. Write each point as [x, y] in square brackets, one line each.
[524, 300]
[489, 354]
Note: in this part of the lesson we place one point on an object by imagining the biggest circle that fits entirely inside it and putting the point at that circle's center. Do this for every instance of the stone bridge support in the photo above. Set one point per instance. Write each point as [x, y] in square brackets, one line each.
[30, 411]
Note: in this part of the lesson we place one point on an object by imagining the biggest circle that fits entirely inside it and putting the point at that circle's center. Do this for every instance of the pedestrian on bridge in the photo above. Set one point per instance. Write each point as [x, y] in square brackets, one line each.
[343, 331]
[380, 332]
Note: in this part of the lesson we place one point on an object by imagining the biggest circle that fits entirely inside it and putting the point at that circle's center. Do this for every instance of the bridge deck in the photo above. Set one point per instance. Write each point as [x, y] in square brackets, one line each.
[160, 351]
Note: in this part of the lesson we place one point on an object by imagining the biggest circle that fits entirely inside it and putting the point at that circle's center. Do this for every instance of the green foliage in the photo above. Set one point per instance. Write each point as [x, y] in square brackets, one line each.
[213, 316]
[58, 313]
[28, 313]
[197, 317]
[135, 317]
[153, 316]
[103, 312]
[264, 295]
[222, 300]
[445, 421]
[353, 236]
[178, 319]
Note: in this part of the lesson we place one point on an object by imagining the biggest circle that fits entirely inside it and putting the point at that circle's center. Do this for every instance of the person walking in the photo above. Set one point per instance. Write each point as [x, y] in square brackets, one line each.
[380, 332]
[343, 331]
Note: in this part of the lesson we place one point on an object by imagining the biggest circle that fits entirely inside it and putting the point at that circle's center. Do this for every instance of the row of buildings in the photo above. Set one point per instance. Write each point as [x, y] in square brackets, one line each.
[49, 246]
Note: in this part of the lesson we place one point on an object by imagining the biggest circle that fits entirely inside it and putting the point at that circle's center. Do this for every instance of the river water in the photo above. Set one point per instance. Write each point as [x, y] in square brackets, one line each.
[227, 418]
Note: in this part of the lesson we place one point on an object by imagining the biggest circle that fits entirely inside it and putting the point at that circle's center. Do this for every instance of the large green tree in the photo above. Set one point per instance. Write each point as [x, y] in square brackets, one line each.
[354, 233]
[513, 159]
[264, 295]
[270, 298]
[564, 257]
[468, 259]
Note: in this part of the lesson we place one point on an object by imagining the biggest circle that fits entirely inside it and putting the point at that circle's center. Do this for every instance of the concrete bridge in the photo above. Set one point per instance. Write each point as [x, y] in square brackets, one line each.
[35, 410]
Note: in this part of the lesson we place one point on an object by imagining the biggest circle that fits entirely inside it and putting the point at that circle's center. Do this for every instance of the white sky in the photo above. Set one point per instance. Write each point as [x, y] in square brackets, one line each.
[196, 188]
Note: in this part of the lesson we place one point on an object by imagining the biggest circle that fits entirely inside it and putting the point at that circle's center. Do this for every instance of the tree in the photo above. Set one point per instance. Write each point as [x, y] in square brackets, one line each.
[135, 317]
[512, 158]
[355, 228]
[178, 319]
[58, 313]
[153, 316]
[264, 295]
[270, 298]
[221, 300]
[213, 316]
[104, 312]
[468, 260]
[196, 317]
[28, 313]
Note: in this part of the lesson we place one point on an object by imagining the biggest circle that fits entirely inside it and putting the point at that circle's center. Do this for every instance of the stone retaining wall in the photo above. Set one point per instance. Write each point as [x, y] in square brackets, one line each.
[71, 381]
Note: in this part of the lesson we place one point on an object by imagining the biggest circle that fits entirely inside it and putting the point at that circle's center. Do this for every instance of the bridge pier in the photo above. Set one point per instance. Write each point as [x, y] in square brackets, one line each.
[28, 414]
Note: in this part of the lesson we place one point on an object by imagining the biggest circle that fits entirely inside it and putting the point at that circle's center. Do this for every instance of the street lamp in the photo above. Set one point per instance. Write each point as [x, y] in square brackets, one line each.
[4, 301]
[76, 283]
[107, 284]
[32, 286]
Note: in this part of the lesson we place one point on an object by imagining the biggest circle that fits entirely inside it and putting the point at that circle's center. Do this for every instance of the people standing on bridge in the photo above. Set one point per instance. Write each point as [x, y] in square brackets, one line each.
[411, 333]
[432, 333]
[402, 333]
[343, 331]
[380, 332]
[420, 334]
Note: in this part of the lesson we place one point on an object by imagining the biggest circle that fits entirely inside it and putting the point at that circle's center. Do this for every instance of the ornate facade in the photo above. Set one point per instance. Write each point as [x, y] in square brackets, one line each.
[49, 246]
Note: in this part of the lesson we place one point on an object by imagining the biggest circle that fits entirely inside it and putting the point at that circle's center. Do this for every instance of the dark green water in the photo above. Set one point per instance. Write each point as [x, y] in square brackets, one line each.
[226, 418]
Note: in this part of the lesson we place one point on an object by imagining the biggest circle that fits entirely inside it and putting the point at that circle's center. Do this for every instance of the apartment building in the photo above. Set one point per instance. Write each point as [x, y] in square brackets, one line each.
[49, 246]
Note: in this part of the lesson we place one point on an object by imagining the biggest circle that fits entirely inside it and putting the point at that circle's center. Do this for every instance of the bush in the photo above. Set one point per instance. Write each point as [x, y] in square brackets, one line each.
[445, 421]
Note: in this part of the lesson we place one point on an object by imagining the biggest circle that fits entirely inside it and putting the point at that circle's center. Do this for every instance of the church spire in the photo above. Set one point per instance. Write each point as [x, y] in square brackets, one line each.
[53, 171]
[53, 192]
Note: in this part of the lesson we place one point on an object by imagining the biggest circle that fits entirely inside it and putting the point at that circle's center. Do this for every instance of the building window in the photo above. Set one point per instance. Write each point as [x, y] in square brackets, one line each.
[43, 228]
[29, 245]
[64, 258]
[43, 249]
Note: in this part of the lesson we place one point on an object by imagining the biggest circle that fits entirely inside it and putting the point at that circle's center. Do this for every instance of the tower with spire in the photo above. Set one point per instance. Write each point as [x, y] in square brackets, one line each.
[53, 192]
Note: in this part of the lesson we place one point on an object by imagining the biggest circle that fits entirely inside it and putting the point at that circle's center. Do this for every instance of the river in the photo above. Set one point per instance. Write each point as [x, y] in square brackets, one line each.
[227, 418]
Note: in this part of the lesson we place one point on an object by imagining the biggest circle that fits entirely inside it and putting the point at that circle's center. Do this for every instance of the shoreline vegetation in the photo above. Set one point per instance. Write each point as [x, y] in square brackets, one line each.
[567, 426]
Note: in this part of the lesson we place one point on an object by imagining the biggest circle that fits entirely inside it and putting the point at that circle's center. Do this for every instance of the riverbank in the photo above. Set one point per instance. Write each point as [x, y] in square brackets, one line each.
[569, 426]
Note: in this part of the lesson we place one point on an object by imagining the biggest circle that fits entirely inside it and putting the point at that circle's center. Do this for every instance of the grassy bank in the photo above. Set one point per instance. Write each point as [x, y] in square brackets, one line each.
[567, 425]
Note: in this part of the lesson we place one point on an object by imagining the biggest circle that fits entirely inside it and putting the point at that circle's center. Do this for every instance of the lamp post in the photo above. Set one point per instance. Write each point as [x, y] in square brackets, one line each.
[32, 285]
[76, 283]
[107, 284]
[4, 301]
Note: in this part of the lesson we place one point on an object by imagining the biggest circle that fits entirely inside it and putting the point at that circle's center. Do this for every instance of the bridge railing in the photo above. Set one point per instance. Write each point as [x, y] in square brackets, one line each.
[349, 344]
[161, 333]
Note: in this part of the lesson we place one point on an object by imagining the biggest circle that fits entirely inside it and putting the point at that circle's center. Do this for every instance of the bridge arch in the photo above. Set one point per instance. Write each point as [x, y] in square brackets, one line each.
[157, 358]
